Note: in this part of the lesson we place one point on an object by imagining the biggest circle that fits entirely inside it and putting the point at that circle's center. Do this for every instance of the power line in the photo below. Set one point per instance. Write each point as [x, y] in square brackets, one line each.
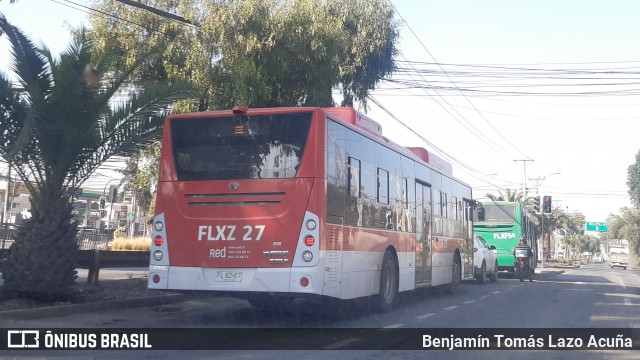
[466, 168]
[156, 11]
[456, 86]
[106, 15]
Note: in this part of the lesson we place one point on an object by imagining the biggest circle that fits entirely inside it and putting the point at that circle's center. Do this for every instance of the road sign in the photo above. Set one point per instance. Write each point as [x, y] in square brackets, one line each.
[597, 226]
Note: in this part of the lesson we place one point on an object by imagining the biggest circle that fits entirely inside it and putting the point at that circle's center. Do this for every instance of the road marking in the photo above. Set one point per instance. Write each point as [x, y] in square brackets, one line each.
[627, 301]
[392, 326]
[497, 292]
[424, 316]
[341, 343]
[450, 307]
[484, 296]
[469, 302]
[621, 283]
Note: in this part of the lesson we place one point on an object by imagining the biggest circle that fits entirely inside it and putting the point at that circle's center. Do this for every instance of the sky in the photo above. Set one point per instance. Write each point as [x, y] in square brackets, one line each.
[490, 84]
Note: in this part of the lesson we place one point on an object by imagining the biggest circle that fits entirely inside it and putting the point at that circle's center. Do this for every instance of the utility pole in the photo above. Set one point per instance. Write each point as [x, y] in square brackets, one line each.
[524, 167]
[5, 204]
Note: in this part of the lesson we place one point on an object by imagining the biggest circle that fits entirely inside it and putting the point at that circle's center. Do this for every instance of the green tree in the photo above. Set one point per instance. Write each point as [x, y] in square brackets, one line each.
[558, 221]
[141, 175]
[633, 181]
[259, 53]
[572, 229]
[58, 126]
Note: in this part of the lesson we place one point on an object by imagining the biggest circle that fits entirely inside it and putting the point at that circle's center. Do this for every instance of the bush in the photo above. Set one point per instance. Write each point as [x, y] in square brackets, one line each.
[137, 243]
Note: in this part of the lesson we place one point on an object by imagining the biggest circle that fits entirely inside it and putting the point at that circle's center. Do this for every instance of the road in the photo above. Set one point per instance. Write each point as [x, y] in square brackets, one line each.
[592, 296]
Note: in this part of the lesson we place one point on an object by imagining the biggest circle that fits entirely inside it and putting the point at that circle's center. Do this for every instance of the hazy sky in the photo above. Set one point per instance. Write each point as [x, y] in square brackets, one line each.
[490, 82]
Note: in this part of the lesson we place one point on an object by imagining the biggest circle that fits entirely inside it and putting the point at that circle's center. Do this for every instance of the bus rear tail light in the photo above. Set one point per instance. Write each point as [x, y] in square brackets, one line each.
[155, 278]
[309, 240]
[157, 255]
[475, 249]
[304, 281]
[158, 240]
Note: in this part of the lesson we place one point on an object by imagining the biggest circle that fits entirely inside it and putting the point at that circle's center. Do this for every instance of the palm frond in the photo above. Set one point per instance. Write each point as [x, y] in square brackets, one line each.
[137, 123]
[32, 70]
[28, 63]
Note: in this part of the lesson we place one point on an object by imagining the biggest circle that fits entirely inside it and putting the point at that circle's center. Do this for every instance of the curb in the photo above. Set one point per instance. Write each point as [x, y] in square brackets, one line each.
[68, 309]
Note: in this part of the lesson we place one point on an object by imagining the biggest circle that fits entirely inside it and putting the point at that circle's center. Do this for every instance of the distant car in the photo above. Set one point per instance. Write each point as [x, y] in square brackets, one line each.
[485, 263]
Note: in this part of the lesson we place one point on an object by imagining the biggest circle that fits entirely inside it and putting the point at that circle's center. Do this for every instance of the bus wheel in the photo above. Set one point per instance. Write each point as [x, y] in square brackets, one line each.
[456, 274]
[388, 283]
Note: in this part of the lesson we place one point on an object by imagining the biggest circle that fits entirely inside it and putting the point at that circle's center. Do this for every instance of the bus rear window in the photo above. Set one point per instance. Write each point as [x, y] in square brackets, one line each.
[499, 213]
[239, 147]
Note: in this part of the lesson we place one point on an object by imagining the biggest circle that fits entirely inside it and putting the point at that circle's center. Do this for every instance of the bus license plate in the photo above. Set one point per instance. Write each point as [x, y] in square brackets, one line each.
[229, 276]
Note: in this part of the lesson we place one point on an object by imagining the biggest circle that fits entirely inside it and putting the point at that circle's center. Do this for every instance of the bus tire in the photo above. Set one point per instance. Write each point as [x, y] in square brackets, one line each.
[388, 293]
[456, 275]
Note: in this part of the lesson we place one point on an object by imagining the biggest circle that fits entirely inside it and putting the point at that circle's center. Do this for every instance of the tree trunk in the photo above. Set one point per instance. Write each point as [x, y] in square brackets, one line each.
[41, 262]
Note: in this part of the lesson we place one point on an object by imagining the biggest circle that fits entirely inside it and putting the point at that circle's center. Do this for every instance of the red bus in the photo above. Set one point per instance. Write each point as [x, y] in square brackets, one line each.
[280, 203]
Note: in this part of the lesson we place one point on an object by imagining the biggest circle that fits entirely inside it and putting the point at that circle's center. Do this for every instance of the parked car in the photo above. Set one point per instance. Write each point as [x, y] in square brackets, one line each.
[485, 262]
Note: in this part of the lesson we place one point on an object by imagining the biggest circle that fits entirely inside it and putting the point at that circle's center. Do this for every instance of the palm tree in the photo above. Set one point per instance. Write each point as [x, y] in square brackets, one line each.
[515, 196]
[509, 196]
[58, 126]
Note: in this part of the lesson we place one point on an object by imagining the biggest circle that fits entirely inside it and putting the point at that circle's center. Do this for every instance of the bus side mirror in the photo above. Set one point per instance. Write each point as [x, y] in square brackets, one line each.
[480, 214]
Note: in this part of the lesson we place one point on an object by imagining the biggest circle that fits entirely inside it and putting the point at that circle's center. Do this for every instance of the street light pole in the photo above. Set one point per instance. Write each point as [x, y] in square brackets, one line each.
[110, 202]
[524, 167]
[538, 181]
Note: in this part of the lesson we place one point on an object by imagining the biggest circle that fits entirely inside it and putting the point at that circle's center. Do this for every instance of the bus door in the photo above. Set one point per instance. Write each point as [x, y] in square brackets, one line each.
[467, 235]
[423, 234]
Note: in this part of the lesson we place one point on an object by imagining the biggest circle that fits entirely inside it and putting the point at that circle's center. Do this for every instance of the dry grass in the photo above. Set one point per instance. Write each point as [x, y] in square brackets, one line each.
[136, 243]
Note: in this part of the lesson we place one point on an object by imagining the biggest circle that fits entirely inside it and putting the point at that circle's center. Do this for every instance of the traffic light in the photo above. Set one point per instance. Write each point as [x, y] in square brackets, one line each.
[546, 205]
[113, 193]
[102, 202]
[536, 204]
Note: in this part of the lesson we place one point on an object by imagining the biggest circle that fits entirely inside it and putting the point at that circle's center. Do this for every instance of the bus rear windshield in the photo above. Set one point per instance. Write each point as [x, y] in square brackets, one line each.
[239, 147]
[499, 213]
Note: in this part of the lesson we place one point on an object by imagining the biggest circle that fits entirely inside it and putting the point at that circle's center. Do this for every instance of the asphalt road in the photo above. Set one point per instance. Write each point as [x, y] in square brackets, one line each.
[592, 296]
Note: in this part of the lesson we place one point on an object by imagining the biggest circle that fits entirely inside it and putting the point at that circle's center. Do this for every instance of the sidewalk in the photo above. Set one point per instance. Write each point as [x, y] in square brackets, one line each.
[109, 274]
[117, 288]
